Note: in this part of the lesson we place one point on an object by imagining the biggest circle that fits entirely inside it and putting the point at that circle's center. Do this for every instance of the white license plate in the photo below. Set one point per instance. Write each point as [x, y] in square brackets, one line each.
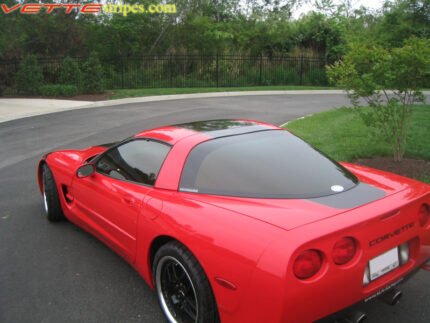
[384, 263]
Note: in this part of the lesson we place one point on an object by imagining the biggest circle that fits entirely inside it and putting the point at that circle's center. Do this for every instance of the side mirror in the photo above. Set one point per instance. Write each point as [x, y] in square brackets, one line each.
[85, 170]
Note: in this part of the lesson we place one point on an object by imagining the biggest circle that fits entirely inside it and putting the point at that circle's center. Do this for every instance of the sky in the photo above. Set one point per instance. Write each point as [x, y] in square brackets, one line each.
[372, 4]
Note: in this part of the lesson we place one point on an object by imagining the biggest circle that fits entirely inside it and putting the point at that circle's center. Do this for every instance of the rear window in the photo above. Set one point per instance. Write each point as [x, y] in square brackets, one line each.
[264, 164]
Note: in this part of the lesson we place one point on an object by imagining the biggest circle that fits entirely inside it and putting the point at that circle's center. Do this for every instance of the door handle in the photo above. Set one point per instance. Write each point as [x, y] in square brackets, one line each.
[128, 200]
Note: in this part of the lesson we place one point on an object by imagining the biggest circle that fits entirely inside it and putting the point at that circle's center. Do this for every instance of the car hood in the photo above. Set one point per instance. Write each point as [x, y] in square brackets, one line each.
[292, 213]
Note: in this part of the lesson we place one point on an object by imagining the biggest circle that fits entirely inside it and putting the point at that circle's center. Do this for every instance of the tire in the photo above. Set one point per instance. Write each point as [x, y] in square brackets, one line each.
[51, 200]
[183, 290]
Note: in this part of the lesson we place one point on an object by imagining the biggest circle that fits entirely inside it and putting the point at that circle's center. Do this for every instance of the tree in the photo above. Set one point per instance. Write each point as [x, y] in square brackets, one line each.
[390, 82]
[70, 73]
[403, 19]
[322, 34]
[93, 81]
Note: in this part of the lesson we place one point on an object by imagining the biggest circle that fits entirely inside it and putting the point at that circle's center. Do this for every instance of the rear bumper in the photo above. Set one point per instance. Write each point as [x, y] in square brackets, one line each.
[360, 306]
[339, 291]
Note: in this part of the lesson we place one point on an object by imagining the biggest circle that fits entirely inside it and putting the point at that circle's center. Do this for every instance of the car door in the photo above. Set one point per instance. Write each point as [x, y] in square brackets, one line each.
[110, 201]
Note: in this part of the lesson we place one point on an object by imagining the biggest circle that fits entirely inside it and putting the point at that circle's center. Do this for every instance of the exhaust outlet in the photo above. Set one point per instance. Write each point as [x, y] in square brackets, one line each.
[355, 317]
[391, 297]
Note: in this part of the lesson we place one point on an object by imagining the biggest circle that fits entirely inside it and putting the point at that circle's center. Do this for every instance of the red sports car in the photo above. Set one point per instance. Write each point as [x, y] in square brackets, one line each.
[241, 221]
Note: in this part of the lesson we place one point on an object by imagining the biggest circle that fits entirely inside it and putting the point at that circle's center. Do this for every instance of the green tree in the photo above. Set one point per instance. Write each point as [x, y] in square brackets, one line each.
[390, 82]
[29, 76]
[70, 73]
[323, 34]
[93, 81]
[403, 19]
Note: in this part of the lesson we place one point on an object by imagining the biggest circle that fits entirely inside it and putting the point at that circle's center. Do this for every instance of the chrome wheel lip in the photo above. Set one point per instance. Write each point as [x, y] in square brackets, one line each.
[160, 294]
[45, 201]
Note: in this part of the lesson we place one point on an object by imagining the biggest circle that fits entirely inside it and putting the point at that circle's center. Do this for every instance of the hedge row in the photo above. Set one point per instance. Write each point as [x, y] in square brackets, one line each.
[72, 78]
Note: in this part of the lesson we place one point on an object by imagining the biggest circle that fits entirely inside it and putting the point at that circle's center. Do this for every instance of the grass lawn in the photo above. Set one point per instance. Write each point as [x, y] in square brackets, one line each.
[341, 134]
[127, 93]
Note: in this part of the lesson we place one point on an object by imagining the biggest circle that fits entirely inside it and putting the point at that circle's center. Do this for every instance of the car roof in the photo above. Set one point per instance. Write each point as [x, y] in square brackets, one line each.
[206, 129]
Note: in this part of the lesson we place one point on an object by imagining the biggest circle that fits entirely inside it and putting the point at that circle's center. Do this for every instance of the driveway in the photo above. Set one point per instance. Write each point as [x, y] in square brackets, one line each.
[11, 109]
[59, 273]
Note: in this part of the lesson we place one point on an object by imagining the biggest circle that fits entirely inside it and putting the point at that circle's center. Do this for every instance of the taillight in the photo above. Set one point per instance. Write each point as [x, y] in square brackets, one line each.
[424, 214]
[307, 264]
[344, 250]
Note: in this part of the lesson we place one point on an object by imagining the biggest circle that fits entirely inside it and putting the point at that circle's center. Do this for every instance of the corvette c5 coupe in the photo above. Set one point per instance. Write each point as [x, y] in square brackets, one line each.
[241, 221]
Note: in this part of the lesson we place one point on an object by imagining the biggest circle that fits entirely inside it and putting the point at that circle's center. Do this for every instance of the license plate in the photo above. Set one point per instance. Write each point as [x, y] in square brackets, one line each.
[384, 263]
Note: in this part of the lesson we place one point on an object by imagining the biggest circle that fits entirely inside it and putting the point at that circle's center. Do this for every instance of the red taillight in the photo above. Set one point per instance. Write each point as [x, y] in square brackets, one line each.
[424, 214]
[344, 250]
[307, 264]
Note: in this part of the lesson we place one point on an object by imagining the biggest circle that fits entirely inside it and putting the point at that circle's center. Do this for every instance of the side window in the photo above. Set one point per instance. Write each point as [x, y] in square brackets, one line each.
[138, 161]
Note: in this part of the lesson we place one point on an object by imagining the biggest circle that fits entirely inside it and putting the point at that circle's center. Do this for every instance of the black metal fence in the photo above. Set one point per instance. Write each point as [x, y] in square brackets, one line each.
[173, 71]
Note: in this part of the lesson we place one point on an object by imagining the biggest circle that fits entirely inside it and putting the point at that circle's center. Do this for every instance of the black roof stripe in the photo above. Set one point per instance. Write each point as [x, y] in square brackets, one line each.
[223, 127]
[359, 195]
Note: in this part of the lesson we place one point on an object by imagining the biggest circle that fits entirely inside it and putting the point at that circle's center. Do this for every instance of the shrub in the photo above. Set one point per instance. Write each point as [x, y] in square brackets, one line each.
[315, 77]
[29, 76]
[93, 81]
[70, 73]
[7, 78]
[390, 82]
[58, 90]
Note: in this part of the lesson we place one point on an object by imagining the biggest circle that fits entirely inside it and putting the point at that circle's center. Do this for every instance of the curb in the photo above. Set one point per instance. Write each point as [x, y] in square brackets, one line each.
[169, 97]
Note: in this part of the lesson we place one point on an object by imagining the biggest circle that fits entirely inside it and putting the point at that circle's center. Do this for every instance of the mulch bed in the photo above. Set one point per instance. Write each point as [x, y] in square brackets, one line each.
[414, 168]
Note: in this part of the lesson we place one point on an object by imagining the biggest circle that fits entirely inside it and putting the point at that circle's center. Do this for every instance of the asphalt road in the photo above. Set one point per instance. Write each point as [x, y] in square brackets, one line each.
[59, 273]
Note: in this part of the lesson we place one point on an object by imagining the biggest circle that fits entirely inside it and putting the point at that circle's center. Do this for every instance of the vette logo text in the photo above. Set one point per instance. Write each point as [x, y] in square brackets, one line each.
[391, 234]
[88, 8]
[34, 8]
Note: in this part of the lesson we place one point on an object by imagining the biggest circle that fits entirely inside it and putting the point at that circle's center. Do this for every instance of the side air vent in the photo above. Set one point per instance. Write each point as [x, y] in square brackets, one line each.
[67, 196]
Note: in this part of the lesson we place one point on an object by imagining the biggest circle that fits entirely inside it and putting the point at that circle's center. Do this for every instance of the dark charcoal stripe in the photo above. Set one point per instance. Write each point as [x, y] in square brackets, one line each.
[213, 125]
[222, 128]
[108, 145]
[237, 131]
[359, 195]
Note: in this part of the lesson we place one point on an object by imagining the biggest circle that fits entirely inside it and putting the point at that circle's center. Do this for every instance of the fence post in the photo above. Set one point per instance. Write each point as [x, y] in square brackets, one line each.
[325, 63]
[170, 71]
[122, 72]
[217, 70]
[301, 69]
[260, 80]
[15, 67]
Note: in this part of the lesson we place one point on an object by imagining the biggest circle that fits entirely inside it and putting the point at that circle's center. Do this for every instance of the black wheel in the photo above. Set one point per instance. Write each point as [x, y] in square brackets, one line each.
[51, 199]
[183, 290]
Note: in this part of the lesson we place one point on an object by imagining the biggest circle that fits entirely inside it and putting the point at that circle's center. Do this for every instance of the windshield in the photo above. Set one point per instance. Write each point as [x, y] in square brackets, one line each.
[264, 164]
